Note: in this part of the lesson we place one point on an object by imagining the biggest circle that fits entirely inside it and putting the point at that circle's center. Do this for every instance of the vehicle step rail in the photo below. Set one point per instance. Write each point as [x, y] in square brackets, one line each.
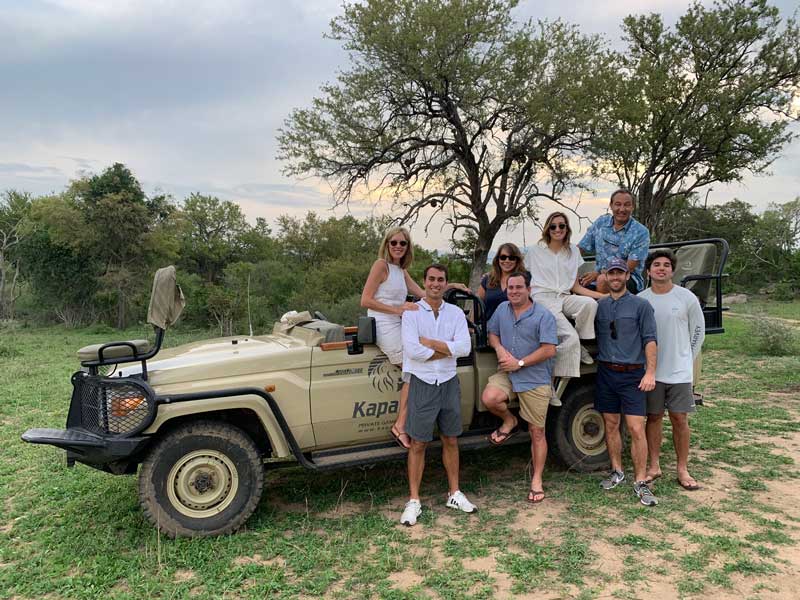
[387, 451]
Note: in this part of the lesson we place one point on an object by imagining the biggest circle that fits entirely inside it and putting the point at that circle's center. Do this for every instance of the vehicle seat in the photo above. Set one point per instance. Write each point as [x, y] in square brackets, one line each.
[697, 259]
[91, 353]
[586, 267]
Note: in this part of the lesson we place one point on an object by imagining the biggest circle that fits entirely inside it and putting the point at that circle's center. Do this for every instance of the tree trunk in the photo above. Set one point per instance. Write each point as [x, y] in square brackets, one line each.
[479, 257]
[121, 320]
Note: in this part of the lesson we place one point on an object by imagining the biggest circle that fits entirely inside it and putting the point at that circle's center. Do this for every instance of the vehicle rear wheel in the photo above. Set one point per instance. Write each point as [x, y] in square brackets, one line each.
[576, 433]
[201, 479]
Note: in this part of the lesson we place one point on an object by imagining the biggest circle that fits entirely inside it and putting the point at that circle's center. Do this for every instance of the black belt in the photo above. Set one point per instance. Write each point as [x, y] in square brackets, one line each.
[620, 367]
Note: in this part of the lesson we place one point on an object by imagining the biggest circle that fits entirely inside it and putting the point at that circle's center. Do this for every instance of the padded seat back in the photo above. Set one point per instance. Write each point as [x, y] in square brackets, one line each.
[586, 267]
[697, 259]
[91, 353]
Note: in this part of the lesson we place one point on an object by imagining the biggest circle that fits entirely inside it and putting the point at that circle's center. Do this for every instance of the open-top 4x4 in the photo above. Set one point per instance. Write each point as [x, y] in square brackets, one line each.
[203, 420]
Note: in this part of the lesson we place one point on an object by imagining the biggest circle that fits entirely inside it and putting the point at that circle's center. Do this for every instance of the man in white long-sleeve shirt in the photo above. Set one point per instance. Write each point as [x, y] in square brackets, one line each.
[681, 330]
[433, 338]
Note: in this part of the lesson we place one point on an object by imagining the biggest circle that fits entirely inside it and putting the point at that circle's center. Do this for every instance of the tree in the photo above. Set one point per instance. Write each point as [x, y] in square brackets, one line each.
[122, 226]
[57, 262]
[212, 235]
[14, 207]
[449, 107]
[706, 102]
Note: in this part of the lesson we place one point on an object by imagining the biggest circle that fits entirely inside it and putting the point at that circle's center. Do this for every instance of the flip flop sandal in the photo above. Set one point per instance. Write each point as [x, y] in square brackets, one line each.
[649, 480]
[398, 437]
[688, 486]
[532, 496]
[498, 438]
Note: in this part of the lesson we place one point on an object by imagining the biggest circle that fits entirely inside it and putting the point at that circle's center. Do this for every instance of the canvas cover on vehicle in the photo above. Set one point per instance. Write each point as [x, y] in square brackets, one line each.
[328, 332]
[166, 299]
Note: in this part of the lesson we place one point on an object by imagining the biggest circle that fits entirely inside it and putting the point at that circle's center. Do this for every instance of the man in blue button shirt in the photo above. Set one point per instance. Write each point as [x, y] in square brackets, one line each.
[523, 335]
[625, 326]
[617, 235]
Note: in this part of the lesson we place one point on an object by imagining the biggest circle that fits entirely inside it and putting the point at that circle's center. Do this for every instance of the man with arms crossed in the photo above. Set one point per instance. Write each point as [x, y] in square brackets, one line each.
[523, 334]
[617, 235]
[681, 331]
[626, 369]
[433, 338]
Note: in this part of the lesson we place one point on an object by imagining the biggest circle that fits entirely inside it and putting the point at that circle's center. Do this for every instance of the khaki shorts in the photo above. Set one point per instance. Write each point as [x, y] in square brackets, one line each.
[532, 403]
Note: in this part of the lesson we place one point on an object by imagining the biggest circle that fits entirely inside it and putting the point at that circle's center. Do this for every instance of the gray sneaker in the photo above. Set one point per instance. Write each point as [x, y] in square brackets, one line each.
[613, 480]
[646, 497]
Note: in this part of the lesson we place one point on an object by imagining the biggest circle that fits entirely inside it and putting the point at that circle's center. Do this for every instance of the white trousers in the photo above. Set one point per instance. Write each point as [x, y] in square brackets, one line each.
[580, 308]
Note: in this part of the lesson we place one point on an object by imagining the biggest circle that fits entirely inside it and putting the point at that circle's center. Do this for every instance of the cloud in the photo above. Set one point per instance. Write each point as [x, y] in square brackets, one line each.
[25, 171]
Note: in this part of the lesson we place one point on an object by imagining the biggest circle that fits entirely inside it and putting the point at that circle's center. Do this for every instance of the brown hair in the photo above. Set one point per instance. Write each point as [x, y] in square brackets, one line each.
[438, 267]
[661, 253]
[546, 230]
[496, 273]
[383, 251]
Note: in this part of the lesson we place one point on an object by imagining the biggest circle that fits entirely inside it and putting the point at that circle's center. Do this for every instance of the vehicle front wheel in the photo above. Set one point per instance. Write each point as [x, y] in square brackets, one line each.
[202, 479]
[577, 435]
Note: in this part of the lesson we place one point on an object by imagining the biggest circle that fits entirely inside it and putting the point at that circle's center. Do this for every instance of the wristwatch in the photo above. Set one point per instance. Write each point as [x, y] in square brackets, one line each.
[521, 363]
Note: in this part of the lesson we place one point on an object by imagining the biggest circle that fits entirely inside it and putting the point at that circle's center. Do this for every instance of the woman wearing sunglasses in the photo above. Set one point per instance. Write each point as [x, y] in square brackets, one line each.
[553, 263]
[384, 297]
[492, 289]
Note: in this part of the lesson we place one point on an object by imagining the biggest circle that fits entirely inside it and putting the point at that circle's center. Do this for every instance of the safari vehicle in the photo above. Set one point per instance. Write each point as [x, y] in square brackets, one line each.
[202, 421]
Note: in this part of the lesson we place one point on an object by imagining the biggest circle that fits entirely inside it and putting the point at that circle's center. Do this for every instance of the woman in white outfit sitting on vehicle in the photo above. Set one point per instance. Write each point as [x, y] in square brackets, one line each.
[553, 263]
[384, 297]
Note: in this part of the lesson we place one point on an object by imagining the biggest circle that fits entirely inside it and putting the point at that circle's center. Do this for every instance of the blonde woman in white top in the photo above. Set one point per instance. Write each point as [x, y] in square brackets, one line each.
[553, 263]
[384, 297]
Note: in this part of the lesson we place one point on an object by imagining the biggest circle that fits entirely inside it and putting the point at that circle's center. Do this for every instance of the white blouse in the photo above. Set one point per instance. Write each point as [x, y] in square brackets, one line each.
[552, 272]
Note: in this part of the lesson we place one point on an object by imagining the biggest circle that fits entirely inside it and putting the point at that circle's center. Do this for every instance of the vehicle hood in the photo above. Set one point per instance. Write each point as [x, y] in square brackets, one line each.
[223, 359]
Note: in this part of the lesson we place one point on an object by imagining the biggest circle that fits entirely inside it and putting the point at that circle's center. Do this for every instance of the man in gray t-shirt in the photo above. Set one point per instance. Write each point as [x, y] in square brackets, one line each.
[681, 330]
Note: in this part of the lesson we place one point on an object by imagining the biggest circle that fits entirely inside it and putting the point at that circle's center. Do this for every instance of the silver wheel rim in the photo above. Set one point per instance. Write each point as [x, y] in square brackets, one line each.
[202, 483]
[588, 431]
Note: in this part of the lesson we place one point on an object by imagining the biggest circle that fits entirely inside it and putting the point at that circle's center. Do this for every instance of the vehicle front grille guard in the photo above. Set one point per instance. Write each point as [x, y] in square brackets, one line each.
[119, 407]
[124, 407]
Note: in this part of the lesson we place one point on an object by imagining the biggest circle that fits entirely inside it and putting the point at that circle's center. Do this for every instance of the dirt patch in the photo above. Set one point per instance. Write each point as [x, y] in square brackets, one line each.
[182, 575]
[257, 559]
[405, 580]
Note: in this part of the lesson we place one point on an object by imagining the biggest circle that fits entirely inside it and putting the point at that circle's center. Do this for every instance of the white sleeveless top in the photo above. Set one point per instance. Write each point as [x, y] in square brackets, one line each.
[393, 292]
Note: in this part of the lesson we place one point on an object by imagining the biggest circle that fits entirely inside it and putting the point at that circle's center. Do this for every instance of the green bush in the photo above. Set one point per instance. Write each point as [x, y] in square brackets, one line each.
[784, 292]
[773, 337]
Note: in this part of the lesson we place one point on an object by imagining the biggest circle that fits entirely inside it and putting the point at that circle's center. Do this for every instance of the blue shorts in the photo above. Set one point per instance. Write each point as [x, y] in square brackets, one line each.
[616, 392]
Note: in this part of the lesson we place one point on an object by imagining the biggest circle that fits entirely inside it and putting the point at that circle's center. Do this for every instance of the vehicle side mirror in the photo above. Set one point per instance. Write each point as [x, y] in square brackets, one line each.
[366, 330]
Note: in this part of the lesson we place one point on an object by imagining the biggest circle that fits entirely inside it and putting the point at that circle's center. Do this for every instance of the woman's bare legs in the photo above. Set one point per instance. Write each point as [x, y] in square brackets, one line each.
[399, 427]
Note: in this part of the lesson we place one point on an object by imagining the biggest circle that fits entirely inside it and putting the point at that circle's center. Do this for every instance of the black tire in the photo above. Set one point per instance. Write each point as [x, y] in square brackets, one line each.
[201, 479]
[576, 434]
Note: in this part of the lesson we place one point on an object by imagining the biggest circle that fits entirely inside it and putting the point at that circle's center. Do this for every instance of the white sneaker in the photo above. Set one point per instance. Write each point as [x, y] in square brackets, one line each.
[412, 510]
[554, 399]
[586, 358]
[459, 500]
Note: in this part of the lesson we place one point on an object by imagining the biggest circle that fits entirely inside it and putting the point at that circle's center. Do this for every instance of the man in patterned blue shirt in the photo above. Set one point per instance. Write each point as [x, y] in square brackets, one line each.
[617, 235]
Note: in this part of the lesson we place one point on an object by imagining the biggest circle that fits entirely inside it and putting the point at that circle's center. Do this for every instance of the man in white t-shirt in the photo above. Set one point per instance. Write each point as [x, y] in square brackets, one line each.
[681, 330]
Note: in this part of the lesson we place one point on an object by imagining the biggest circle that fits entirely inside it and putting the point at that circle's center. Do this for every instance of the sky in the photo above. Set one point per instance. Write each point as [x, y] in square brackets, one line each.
[190, 95]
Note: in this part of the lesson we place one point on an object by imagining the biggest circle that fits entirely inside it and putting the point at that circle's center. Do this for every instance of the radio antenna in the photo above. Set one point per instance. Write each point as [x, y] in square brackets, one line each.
[249, 316]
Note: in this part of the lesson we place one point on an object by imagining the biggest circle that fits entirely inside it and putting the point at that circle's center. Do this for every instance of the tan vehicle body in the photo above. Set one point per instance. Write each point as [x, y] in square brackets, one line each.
[328, 397]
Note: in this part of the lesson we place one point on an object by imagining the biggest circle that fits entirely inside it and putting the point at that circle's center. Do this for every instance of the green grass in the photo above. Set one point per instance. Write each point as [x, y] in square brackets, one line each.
[762, 305]
[79, 533]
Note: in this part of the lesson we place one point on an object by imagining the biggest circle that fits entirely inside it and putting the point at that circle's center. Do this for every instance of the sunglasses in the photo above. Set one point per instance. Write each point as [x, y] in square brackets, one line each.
[401, 243]
[613, 325]
[507, 257]
[554, 226]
